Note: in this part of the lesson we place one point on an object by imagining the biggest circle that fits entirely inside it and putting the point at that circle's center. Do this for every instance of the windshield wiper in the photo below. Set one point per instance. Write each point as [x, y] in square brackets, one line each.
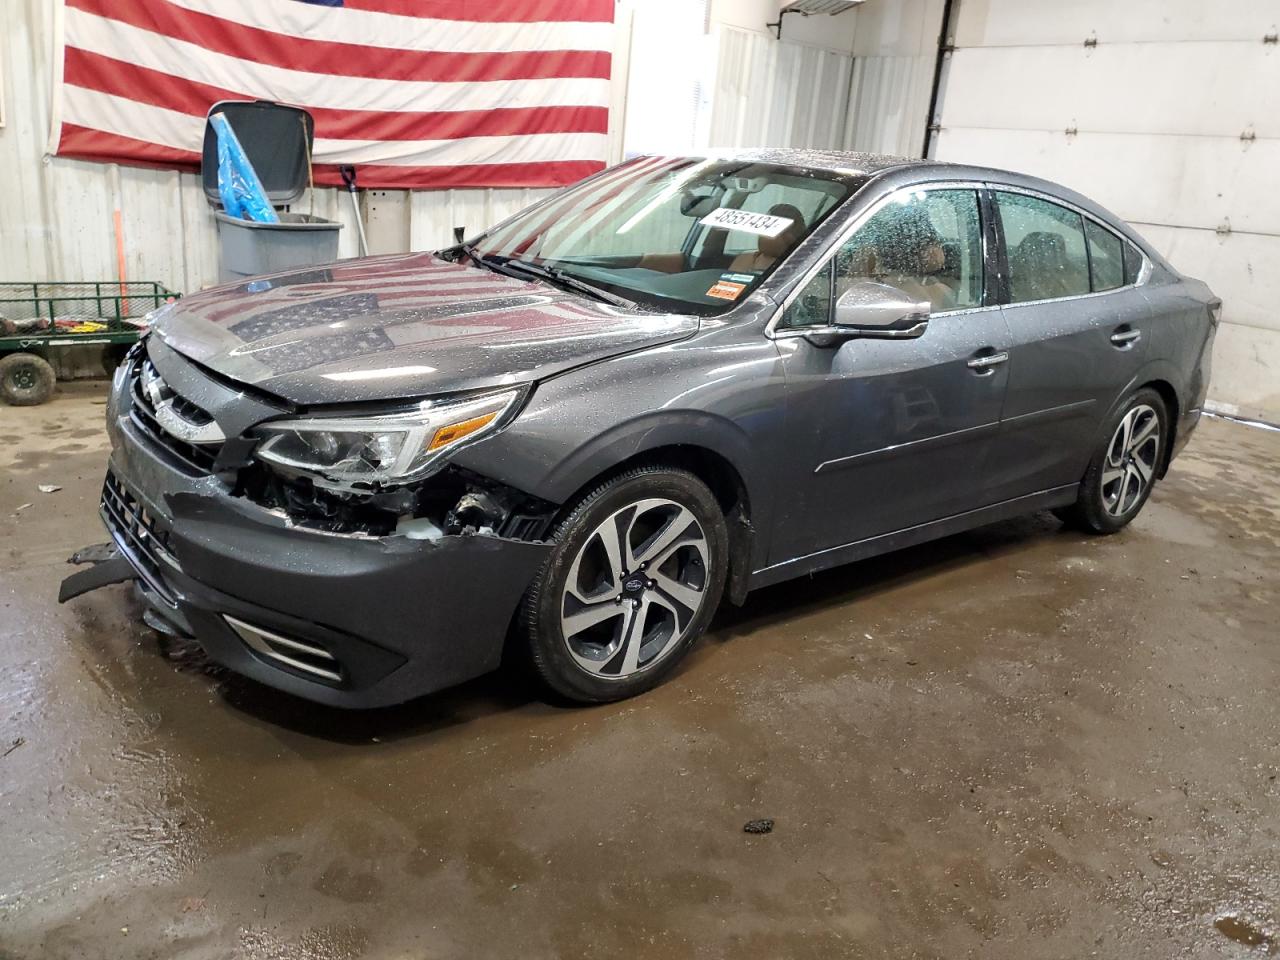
[569, 281]
[480, 260]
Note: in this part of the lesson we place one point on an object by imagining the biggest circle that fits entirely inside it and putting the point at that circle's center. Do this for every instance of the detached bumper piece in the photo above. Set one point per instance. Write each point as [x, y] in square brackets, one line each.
[108, 566]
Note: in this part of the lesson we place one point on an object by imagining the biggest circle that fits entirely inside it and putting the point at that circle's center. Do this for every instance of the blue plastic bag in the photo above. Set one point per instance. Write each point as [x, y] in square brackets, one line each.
[238, 184]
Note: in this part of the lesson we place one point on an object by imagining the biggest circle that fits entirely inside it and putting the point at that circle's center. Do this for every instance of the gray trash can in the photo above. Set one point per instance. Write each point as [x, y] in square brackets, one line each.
[277, 139]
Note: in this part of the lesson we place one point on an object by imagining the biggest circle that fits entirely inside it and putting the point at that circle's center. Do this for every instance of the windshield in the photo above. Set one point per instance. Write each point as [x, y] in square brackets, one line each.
[674, 233]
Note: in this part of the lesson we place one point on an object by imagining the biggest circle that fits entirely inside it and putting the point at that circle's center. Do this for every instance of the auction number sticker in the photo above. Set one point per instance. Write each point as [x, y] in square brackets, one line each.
[725, 290]
[762, 224]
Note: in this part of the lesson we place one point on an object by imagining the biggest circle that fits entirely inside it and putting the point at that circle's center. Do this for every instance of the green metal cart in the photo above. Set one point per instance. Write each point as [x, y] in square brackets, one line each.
[39, 318]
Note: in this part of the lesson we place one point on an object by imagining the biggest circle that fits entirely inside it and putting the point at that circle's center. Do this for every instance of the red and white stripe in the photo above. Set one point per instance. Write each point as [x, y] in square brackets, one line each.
[415, 93]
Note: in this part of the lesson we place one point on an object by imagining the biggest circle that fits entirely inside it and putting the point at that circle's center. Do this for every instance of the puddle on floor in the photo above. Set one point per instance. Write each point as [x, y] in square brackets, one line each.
[1242, 931]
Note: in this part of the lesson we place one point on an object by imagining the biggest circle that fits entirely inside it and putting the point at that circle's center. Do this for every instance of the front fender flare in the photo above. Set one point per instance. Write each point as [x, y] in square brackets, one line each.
[650, 432]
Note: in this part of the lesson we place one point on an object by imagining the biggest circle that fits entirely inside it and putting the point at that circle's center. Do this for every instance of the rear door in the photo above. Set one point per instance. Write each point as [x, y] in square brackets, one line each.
[1077, 323]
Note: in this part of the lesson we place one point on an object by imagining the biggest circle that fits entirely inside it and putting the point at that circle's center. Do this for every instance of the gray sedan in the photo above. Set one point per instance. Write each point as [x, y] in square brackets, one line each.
[568, 438]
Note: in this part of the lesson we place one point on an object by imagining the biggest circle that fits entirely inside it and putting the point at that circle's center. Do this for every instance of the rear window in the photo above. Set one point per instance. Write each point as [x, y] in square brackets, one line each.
[1132, 263]
[1045, 246]
[1106, 257]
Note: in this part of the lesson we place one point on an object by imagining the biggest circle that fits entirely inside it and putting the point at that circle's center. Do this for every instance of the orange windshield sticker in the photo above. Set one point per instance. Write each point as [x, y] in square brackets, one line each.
[724, 290]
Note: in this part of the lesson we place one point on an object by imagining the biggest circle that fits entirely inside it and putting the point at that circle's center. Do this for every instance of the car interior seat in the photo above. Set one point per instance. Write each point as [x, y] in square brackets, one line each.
[1040, 268]
[916, 266]
[770, 249]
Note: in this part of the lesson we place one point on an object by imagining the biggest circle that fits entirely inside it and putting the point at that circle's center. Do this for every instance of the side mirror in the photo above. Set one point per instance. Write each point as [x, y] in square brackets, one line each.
[878, 310]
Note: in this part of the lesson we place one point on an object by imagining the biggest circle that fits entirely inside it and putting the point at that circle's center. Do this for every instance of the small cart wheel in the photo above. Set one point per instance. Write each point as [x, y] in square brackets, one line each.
[26, 379]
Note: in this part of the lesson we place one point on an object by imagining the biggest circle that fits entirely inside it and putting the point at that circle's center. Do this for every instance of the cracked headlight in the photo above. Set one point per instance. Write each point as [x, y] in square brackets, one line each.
[386, 449]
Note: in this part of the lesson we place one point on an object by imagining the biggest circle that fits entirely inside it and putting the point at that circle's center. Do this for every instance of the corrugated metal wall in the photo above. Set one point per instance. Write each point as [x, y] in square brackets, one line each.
[434, 213]
[778, 94]
[895, 49]
[56, 215]
[784, 94]
[1169, 119]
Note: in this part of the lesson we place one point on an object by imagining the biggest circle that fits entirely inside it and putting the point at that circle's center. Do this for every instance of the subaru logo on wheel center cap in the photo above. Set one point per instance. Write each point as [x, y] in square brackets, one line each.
[634, 585]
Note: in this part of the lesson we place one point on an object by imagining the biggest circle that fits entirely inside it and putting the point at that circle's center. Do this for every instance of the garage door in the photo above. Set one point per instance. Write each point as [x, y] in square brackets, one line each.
[1165, 111]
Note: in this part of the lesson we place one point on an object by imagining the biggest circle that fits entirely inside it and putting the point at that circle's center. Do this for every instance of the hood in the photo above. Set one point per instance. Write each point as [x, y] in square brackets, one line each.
[399, 326]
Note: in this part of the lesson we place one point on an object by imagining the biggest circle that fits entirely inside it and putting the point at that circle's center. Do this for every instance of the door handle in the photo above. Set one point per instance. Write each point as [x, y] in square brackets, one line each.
[987, 361]
[1125, 336]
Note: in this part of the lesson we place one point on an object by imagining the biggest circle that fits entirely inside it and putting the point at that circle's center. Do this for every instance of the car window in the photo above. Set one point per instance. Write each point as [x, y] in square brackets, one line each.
[1106, 257]
[799, 194]
[1045, 246]
[813, 307]
[927, 243]
[1132, 263]
[684, 233]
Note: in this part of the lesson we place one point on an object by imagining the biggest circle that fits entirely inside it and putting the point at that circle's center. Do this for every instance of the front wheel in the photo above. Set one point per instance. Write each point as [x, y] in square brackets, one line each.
[1122, 473]
[636, 575]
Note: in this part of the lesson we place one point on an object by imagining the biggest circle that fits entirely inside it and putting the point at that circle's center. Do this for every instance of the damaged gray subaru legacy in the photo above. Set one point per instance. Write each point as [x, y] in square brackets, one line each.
[684, 378]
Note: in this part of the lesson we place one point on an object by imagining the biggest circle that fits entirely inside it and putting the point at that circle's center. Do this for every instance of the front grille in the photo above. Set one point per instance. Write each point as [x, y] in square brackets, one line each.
[140, 536]
[194, 459]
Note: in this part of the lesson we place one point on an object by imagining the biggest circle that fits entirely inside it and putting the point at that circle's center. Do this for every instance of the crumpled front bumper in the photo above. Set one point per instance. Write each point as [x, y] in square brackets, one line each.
[398, 617]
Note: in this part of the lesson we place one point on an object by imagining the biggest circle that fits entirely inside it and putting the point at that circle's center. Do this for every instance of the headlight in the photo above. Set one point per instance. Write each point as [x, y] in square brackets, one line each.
[394, 448]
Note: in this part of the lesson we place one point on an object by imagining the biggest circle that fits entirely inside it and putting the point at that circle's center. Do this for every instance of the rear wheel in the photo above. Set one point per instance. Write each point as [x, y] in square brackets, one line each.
[1122, 473]
[634, 580]
[26, 379]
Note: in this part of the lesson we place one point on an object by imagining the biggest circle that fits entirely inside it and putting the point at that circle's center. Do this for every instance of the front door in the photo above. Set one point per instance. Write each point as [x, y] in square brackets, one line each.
[888, 434]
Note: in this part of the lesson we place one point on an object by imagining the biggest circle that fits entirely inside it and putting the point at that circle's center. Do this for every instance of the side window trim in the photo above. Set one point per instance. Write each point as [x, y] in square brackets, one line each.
[854, 225]
[993, 187]
[1088, 254]
[997, 290]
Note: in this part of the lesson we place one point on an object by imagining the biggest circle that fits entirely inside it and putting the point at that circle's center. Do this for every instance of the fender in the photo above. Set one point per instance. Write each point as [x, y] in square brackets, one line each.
[627, 407]
[687, 430]
[1153, 369]
[556, 471]
[650, 431]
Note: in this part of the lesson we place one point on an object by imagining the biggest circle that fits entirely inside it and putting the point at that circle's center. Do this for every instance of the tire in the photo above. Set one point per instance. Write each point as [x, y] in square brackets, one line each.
[26, 380]
[1125, 468]
[633, 625]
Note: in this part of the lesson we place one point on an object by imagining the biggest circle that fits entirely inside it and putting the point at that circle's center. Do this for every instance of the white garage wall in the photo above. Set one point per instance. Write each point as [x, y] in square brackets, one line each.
[1172, 120]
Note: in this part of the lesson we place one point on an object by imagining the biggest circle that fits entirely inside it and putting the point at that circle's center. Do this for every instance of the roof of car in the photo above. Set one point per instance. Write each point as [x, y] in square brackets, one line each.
[837, 161]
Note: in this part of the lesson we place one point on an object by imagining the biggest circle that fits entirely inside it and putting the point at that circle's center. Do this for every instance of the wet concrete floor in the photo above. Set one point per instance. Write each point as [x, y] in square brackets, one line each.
[1018, 742]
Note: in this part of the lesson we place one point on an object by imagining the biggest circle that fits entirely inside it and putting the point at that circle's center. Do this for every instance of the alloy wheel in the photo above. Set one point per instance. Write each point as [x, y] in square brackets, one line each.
[634, 588]
[1131, 460]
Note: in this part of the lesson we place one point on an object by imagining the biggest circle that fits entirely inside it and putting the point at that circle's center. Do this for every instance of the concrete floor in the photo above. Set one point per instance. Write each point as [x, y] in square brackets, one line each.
[1019, 742]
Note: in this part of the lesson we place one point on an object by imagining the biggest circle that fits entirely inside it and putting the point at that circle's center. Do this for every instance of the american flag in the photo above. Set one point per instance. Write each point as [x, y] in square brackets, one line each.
[415, 93]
